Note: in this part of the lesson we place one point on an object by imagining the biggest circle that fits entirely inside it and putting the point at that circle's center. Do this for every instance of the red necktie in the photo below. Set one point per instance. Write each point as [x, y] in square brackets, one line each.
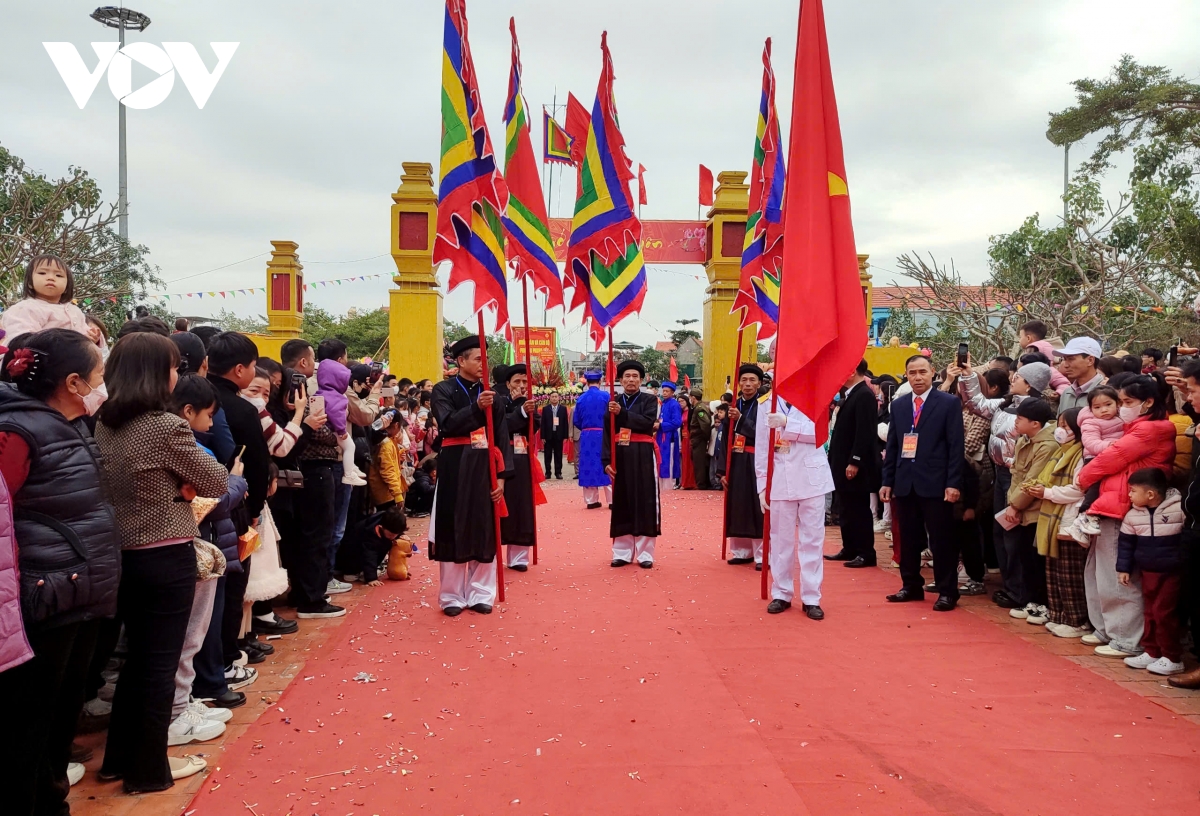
[917, 403]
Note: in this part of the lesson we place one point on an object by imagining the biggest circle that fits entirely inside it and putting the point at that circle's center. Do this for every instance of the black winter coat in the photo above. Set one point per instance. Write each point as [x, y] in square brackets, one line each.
[855, 441]
[66, 531]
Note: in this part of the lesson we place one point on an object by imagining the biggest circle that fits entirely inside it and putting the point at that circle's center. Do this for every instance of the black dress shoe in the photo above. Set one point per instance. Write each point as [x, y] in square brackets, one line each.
[254, 657]
[278, 626]
[842, 555]
[79, 753]
[481, 608]
[645, 564]
[758, 567]
[452, 611]
[519, 568]
[776, 606]
[593, 505]
[858, 562]
[736, 561]
[257, 645]
[620, 562]
[230, 699]
[1005, 601]
[905, 595]
[814, 611]
[944, 603]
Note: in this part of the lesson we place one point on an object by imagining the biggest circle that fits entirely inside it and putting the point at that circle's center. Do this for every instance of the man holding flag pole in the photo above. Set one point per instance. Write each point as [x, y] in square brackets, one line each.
[822, 324]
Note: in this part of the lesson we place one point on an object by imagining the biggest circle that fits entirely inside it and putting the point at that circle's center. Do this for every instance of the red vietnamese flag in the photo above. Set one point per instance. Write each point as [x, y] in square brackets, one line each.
[822, 326]
[642, 185]
[577, 124]
[706, 186]
[673, 371]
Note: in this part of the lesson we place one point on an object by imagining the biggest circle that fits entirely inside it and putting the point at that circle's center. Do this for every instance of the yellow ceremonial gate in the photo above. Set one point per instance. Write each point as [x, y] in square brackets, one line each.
[415, 304]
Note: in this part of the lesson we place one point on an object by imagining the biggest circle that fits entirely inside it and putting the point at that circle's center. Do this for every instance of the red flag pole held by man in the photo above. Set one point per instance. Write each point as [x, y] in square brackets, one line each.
[737, 364]
[612, 395]
[532, 446]
[491, 438]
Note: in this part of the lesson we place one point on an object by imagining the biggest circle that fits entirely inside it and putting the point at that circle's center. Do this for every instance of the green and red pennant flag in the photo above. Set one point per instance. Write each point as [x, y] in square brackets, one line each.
[529, 247]
[556, 143]
[472, 193]
[762, 252]
[605, 267]
[822, 324]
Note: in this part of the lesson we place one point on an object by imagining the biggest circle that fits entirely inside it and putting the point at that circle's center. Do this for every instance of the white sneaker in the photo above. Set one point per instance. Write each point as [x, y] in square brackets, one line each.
[185, 766]
[191, 727]
[221, 715]
[1023, 613]
[74, 773]
[1140, 661]
[1063, 631]
[881, 525]
[1039, 616]
[1092, 639]
[887, 534]
[337, 587]
[1165, 666]
[239, 677]
[1108, 650]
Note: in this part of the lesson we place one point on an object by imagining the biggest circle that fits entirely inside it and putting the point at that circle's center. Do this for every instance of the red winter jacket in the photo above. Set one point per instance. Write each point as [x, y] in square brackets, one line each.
[1146, 444]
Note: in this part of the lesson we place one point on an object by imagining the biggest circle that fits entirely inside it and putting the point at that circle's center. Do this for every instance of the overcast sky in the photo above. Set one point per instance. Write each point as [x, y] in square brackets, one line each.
[943, 109]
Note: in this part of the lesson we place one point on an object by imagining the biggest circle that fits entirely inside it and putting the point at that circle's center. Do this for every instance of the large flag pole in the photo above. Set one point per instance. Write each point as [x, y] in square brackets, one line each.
[491, 439]
[530, 446]
[737, 364]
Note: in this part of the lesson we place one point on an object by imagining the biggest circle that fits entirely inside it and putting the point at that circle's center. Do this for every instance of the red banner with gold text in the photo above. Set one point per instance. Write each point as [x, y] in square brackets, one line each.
[663, 242]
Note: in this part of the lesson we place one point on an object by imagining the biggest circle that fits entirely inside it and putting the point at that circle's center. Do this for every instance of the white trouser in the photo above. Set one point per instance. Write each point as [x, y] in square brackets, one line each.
[598, 495]
[346, 445]
[185, 673]
[626, 547]
[518, 555]
[793, 521]
[746, 548]
[464, 585]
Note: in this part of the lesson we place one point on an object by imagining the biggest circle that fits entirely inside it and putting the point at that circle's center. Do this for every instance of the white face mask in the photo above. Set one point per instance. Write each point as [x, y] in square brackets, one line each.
[257, 402]
[94, 399]
[1063, 435]
[1129, 413]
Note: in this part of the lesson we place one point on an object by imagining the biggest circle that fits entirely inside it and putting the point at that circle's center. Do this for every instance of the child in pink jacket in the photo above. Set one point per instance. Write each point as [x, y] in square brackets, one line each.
[1099, 426]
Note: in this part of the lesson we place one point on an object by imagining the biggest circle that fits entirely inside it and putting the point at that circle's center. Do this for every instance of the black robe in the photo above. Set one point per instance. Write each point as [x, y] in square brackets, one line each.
[635, 508]
[743, 514]
[518, 526]
[463, 522]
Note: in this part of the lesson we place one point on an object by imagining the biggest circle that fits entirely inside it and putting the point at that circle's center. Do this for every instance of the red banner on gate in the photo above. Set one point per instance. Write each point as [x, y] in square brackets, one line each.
[543, 348]
[664, 242]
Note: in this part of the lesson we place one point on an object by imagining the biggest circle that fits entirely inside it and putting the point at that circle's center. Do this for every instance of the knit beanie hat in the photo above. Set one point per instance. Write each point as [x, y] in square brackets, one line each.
[1037, 375]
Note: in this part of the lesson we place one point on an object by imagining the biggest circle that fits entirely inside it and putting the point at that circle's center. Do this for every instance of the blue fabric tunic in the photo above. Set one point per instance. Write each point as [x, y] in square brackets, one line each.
[591, 412]
[669, 462]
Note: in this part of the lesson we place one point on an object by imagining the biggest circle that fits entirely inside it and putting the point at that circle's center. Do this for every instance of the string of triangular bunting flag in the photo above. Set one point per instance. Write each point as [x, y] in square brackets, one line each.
[226, 293]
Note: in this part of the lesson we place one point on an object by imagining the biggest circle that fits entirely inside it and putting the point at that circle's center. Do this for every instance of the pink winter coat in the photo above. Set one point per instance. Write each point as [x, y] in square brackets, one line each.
[1147, 443]
[14, 647]
[1098, 434]
[1058, 380]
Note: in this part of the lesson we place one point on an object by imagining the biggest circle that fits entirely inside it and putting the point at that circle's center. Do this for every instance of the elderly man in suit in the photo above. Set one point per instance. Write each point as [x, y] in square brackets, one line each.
[555, 429]
[922, 477]
[854, 459]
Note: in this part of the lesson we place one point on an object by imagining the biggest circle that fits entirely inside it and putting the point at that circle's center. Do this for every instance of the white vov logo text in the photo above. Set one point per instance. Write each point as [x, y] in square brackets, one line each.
[165, 61]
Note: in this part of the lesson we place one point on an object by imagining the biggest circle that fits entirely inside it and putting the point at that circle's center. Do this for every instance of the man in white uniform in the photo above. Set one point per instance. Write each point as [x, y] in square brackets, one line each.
[797, 505]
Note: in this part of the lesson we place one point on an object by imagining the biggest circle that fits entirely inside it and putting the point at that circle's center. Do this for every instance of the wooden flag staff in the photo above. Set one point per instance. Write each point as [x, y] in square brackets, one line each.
[491, 440]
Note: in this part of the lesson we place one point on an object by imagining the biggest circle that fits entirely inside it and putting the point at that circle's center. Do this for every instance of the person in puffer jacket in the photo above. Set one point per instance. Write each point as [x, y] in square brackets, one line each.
[1115, 609]
[1151, 542]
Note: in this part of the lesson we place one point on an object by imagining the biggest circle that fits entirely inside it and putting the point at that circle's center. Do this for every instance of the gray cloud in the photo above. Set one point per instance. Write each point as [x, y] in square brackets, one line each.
[943, 109]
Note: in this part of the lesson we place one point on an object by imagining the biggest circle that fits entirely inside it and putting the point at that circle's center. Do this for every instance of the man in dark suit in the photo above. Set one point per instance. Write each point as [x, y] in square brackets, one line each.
[922, 477]
[854, 459]
[555, 429]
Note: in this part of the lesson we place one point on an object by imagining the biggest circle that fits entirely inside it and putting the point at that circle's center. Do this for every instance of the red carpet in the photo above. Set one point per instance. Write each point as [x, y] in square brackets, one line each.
[602, 691]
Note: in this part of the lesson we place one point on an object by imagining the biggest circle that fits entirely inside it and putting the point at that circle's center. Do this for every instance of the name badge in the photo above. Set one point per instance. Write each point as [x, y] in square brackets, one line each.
[519, 445]
[556, 422]
[908, 448]
[623, 437]
[739, 443]
[782, 445]
[479, 439]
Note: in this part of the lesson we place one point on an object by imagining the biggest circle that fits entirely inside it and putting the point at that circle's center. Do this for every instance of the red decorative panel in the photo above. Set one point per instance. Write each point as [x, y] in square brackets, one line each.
[733, 236]
[414, 231]
[300, 293]
[281, 298]
[663, 242]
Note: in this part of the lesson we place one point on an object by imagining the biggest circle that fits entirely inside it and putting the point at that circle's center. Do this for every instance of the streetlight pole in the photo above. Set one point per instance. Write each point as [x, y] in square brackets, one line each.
[121, 19]
[1066, 177]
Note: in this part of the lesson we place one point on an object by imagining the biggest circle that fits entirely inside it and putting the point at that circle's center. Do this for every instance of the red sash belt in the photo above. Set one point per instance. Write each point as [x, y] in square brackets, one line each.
[747, 449]
[649, 440]
[452, 441]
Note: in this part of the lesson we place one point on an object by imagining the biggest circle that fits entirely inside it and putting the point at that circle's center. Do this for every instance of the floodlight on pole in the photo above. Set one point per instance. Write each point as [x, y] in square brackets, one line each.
[122, 19]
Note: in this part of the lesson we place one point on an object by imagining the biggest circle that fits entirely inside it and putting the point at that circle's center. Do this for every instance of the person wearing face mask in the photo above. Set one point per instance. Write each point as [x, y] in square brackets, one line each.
[280, 441]
[363, 395]
[51, 466]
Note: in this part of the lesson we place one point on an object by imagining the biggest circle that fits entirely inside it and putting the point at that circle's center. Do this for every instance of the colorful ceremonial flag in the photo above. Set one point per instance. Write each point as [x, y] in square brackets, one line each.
[471, 191]
[762, 252]
[578, 122]
[706, 186]
[556, 142]
[642, 185]
[822, 325]
[604, 258]
[529, 246]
